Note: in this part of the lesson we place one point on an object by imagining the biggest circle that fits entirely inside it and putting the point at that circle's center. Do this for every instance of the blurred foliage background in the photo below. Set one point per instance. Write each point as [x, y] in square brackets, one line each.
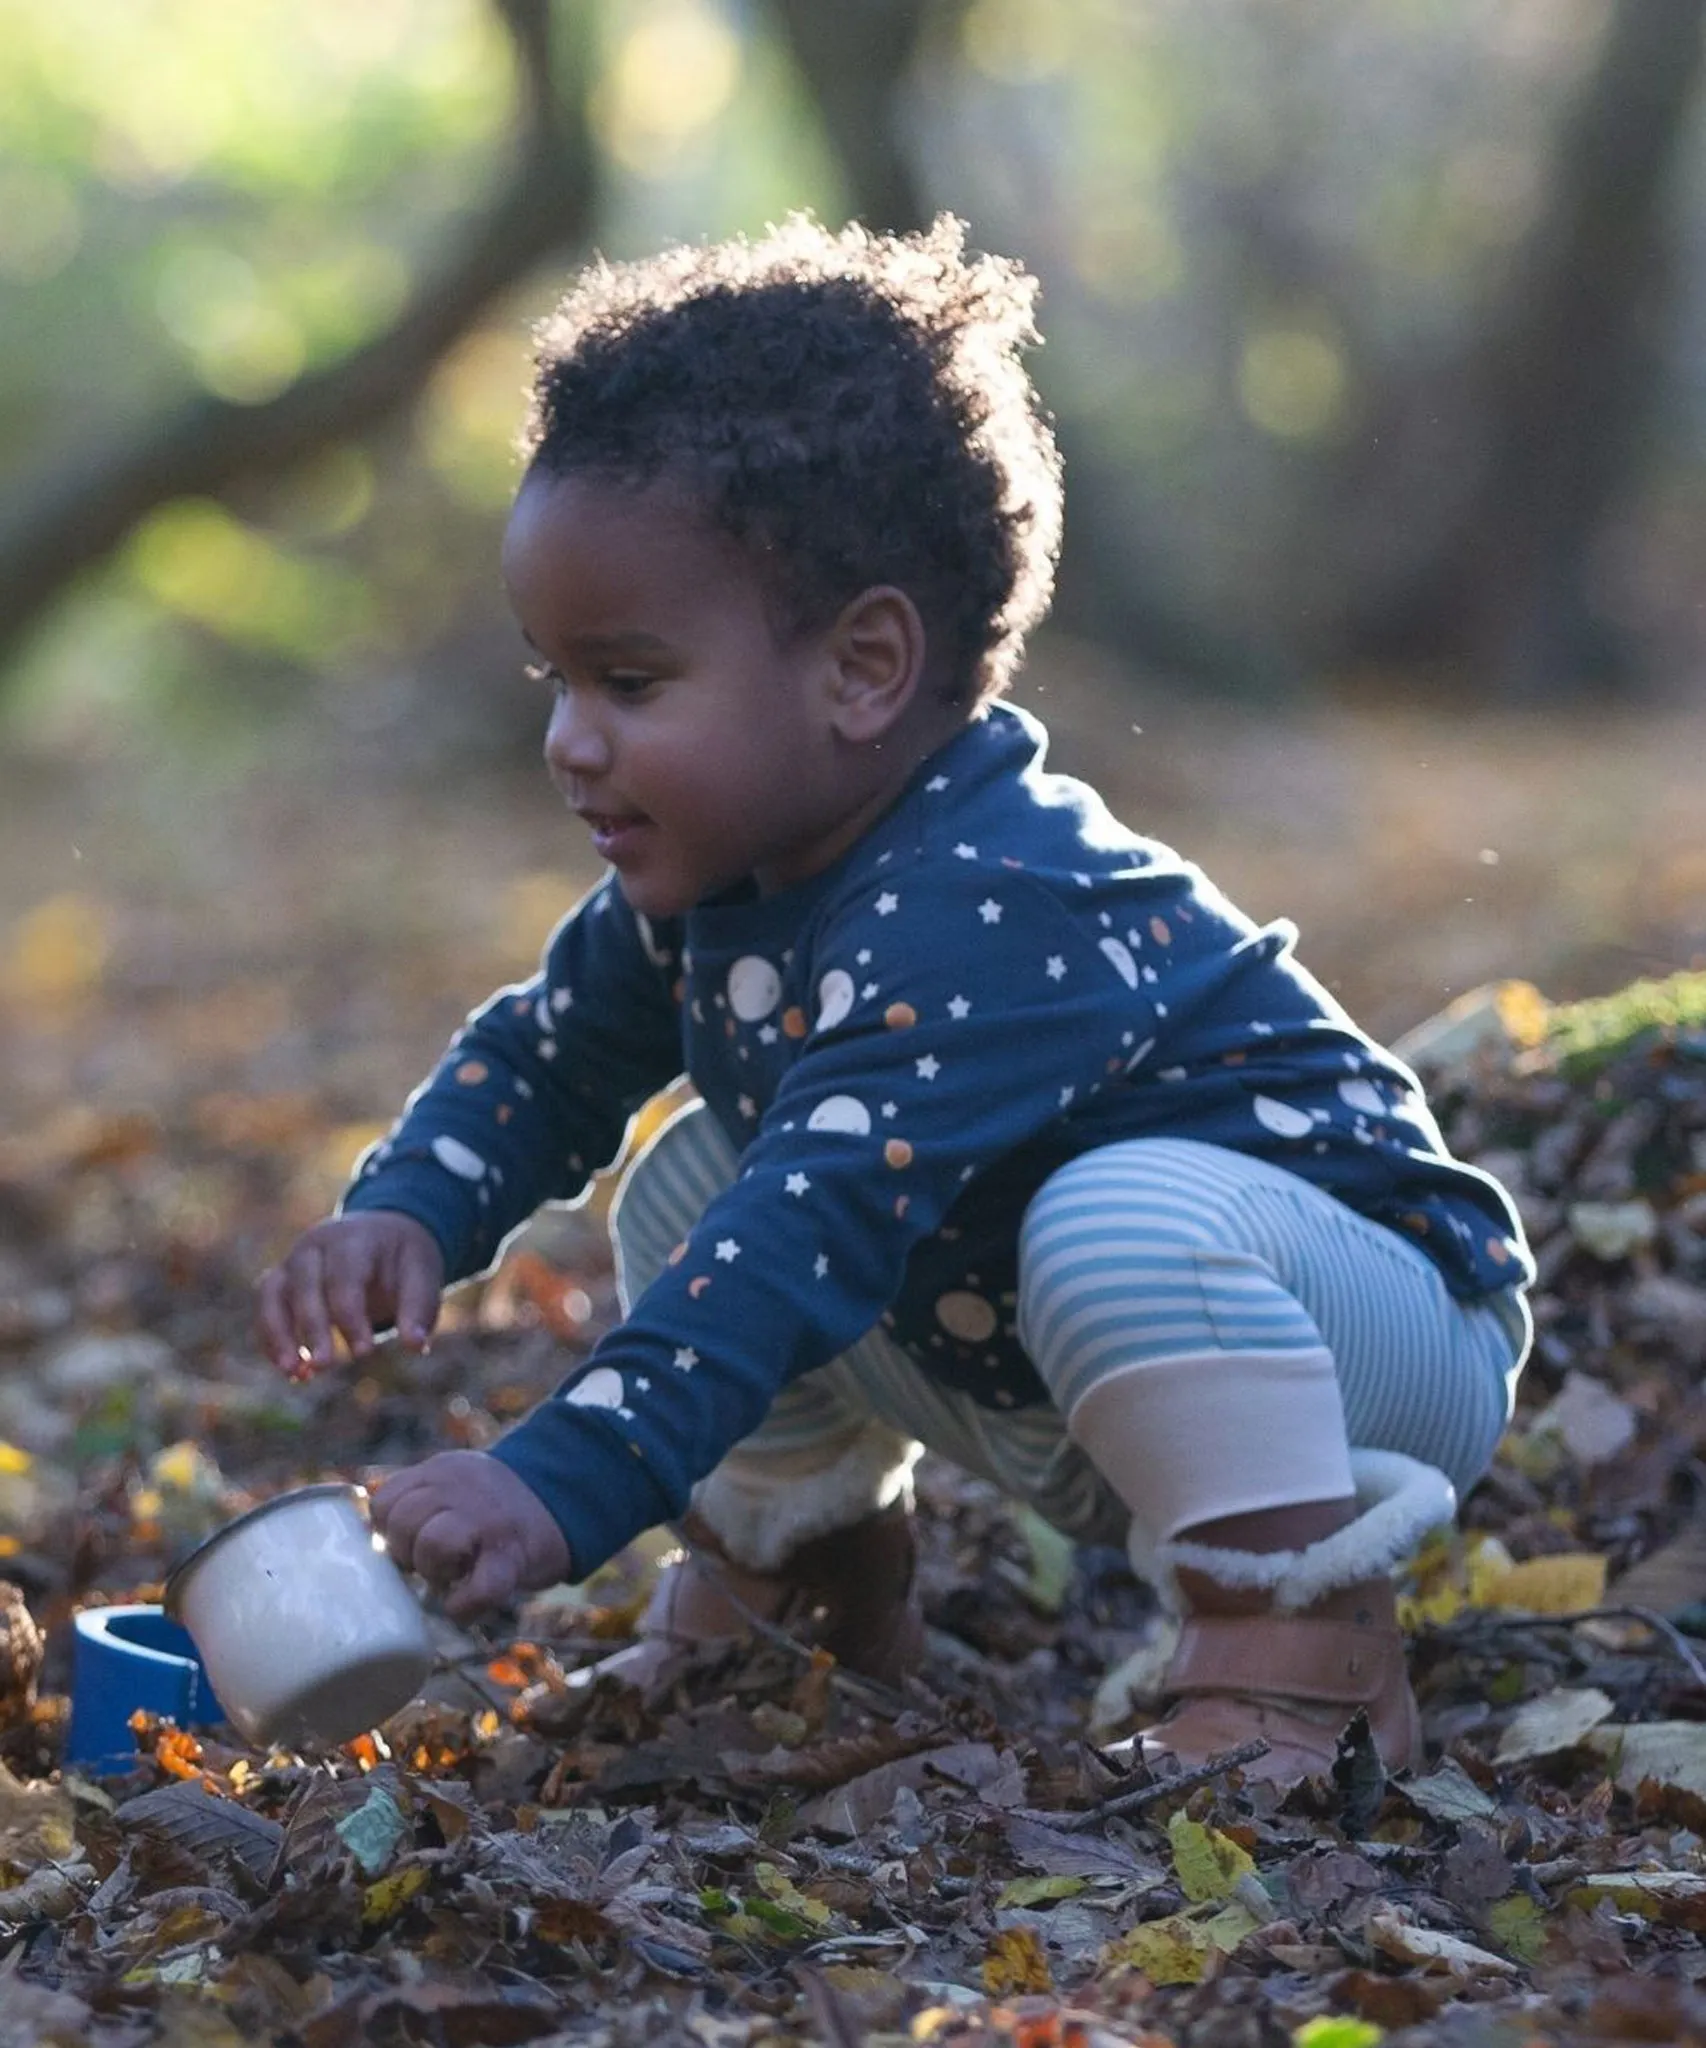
[1375, 341]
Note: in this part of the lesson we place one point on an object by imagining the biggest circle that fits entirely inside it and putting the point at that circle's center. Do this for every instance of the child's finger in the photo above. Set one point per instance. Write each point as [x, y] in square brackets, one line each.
[396, 1506]
[417, 1295]
[492, 1580]
[346, 1297]
[305, 1302]
[274, 1329]
[445, 1548]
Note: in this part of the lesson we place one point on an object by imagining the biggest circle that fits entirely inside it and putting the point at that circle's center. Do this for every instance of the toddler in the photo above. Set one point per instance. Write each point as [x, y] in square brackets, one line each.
[1014, 1139]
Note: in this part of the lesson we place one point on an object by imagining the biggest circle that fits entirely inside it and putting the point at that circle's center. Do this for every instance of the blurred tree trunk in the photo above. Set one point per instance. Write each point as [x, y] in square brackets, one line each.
[857, 61]
[77, 515]
[1502, 590]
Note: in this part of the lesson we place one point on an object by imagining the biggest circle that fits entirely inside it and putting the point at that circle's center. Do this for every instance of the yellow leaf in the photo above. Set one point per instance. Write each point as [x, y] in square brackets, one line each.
[37, 1824]
[1647, 1892]
[1040, 1891]
[60, 950]
[1548, 1585]
[1523, 1011]
[13, 1460]
[1209, 1864]
[1176, 1950]
[788, 1895]
[1518, 1925]
[382, 1901]
[1016, 1962]
[1486, 1564]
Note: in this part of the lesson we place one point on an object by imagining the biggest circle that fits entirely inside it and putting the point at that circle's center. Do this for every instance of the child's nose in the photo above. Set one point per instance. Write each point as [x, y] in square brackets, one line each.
[575, 741]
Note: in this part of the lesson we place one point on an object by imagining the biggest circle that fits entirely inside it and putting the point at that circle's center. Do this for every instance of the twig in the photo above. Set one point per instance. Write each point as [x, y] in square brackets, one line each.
[1492, 1620]
[870, 1691]
[1123, 1803]
[452, 1666]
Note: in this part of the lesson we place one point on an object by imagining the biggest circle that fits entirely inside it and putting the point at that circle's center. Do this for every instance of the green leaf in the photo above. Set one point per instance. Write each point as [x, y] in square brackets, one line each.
[1209, 1864]
[1039, 1891]
[1518, 1925]
[1329, 2030]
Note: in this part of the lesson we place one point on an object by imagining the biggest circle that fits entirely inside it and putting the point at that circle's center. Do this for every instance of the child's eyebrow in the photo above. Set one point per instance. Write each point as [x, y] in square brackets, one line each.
[604, 646]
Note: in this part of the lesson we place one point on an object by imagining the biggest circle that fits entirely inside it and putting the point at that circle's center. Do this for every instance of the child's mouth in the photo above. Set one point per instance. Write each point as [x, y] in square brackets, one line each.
[613, 834]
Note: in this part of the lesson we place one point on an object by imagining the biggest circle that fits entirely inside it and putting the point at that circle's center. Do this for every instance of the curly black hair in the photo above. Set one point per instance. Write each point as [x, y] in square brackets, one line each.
[851, 408]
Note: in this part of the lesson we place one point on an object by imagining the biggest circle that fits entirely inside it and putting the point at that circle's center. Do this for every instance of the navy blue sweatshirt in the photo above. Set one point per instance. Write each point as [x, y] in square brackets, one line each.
[997, 977]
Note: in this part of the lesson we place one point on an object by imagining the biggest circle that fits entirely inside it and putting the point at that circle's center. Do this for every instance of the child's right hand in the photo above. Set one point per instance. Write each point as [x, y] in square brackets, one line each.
[371, 1270]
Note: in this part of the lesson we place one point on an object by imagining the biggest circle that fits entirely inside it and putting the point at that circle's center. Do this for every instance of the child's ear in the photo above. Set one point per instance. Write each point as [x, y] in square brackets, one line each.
[876, 650]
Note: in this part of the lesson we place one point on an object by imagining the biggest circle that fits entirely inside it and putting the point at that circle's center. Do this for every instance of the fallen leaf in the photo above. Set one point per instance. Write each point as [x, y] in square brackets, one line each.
[373, 1831]
[1328, 2030]
[1647, 1892]
[1562, 1584]
[1407, 1943]
[383, 1901]
[1518, 1925]
[1178, 1948]
[1039, 1891]
[1016, 1961]
[1449, 1793]
[1612, 1230]
[1209, 1864]
[37, 1824]
[207, 1830]
[1592, 1422]
[1668, 1752]
[1556, 1721]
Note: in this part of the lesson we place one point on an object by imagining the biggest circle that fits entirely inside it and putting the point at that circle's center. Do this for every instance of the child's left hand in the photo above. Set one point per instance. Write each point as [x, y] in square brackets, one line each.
[473, 1530]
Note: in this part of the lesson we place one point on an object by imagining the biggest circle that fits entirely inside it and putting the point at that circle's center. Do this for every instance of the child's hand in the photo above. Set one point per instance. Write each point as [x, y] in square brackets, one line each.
[357, 1273]
[473, 1530]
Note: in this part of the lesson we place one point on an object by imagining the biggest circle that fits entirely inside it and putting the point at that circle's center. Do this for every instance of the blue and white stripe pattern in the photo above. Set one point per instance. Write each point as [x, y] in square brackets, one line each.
[1142, 1252]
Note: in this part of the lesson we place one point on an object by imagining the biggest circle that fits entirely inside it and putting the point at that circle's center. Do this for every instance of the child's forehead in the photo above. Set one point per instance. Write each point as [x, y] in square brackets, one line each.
[594, 516]
[580, 533]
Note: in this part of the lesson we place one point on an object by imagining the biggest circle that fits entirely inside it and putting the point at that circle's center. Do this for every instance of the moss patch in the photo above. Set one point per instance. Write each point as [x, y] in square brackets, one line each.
[1589, 1035]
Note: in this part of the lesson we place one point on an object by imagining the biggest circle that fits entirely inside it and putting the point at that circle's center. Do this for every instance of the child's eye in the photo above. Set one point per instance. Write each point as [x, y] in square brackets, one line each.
[627, 682]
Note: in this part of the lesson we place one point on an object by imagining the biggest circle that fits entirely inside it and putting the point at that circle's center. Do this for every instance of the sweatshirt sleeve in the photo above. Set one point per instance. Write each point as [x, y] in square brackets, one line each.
[902, 1093]
[536, 1089]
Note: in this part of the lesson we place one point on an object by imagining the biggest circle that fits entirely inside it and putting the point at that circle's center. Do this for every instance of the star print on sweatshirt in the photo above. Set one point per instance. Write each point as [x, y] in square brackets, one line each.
[997, 977]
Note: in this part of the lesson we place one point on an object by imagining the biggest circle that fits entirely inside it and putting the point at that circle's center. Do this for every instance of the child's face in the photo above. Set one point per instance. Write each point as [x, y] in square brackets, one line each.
[698, 748]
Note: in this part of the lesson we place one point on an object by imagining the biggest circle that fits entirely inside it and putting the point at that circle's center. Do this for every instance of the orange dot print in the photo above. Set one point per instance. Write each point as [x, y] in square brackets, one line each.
[794, 1023]
[1159, 932]
[472, 1072]
[698, 1284]
[900, 1016]
[505, 1112]
[679, 1253]
[898, 1152]
[1498, 1251]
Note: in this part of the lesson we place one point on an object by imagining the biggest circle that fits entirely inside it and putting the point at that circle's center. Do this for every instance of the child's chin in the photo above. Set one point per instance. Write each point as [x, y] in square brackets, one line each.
[647, 896]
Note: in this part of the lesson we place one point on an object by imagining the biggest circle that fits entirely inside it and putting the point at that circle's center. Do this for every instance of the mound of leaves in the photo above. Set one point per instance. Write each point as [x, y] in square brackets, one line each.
[775, 1850]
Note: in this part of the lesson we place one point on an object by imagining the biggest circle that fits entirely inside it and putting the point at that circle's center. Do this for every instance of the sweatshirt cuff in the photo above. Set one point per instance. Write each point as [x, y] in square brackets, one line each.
[599, 1493]
[421, 1189]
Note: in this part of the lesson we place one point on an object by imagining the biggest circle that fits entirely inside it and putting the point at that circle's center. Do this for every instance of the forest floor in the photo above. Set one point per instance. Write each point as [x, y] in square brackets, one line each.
[213, 987]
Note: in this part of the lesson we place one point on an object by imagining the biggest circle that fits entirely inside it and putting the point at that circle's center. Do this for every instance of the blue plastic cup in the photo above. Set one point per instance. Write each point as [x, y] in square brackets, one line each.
[126, 1659]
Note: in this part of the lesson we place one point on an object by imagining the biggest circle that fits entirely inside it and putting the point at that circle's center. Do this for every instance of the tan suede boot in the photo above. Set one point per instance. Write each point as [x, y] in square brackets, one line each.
[1297, 1680]
[850, 1591]
[1291, 1645]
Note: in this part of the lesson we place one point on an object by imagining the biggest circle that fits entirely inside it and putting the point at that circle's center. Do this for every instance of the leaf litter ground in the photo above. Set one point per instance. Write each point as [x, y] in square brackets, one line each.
[777, 1851]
